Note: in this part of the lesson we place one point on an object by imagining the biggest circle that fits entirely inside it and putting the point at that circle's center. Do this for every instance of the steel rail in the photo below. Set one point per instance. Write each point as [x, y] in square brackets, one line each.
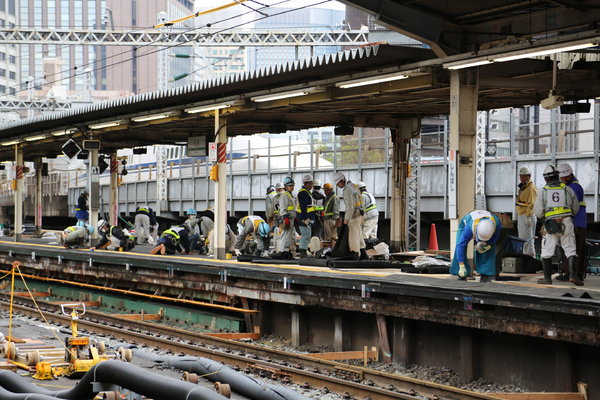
[337, 377]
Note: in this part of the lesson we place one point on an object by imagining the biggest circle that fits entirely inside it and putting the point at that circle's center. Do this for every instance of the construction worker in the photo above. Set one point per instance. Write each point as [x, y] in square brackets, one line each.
[76, 236]
[318, 201]
[556, 204]
[153, 238]
[483, 228]
[276, 217]
[230, 239]
[270, 204]
[142, 224]
[173, 240]
[113, 238]
[369, 228]
[354, 215]
[526, 219]
[287, 214]
[565, 173]
[193, 229]
[331, 216]
[305, 213]
[253, 224]
[81, 210]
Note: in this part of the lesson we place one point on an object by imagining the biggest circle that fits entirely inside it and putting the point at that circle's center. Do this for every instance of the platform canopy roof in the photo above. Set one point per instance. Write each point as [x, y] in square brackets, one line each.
[315, 92]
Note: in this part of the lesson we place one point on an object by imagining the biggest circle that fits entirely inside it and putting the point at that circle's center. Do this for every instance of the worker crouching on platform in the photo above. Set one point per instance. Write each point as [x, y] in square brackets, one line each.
[484, 228]
[556, 204]
[305, 214]
[113, 238]
[76, 236]
[331, 216]
[354, 215]
[253, 224]
[230, 239]
[173, 240]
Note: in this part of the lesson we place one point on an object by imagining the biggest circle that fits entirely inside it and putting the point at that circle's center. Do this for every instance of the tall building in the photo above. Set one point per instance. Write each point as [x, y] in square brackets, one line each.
[8, 54]
[105, 67]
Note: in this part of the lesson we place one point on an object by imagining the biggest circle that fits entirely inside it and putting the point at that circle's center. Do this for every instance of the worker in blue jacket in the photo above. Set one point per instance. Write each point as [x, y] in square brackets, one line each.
[305, 213]
[484, 228]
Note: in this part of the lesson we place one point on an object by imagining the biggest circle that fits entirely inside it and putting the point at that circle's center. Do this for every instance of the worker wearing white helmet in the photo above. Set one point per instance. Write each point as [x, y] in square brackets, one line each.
[369, 229]
[353, 215]
[305, 213]
[270, 204]
[556, 205]
[483, 228]
[565, 173]
[279, 189]
[526, 219]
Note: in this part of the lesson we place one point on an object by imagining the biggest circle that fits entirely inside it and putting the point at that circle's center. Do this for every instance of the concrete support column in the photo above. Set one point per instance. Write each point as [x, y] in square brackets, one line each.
[467, 367]
[463, 126]
[221, 188]
[403, 341]
[398, 195]
[93, 184]
[19, 187]
[113, 206]
[299, 328]
[38, 196]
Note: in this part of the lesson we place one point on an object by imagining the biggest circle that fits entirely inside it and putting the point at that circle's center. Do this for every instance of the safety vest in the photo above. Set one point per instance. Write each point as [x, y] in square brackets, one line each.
[309, 208]
[255, 220]
[71, 228]
[173, 233]
[556, 201]
[291, 206]
[143, 209]
[372, 205]
[328, 213]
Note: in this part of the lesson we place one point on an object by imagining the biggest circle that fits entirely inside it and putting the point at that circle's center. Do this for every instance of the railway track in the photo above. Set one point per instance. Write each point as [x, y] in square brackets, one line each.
[353, 382]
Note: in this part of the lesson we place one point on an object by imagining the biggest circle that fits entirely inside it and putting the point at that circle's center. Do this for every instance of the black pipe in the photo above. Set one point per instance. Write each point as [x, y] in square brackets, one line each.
[119, 373]
[240, 383]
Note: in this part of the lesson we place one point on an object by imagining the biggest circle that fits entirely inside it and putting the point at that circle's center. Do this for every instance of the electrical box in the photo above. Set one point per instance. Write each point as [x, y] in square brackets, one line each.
[512, 265]
[91, 145]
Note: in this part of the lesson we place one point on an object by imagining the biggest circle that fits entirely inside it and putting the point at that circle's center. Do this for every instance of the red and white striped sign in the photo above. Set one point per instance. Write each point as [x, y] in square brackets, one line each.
[221, 152]
[114, 166]
[19, 172]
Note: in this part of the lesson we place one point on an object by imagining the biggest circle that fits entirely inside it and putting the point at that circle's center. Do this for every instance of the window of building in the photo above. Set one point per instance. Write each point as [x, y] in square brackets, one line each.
[51, 11]
[2, 89]
[2, 23]
[2, 56]
[37, 13]
[2, 5]
[91, 9]
[12, 10]
[78, 12]
[24, 14]
[64, 13]
[12, 75]
[2, 72]
[13, 91]
[12, 59]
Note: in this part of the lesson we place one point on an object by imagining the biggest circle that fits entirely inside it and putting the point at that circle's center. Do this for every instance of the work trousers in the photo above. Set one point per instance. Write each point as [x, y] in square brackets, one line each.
[369, 228]
[72, 239]
[305, 236]
[142, 227]
[526, 228]
[566, 240]
[286, 237]
[355, 237]
[329, 230]
[582, 254]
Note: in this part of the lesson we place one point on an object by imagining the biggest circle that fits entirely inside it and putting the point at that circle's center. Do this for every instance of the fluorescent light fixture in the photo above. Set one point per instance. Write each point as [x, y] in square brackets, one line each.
[34, 138]
[534, 53]
[285, 95]
[62, 132]
[371, 80]
[11, 143]
[105, 125]
[466, 64]
[208, 107]
[144, 118]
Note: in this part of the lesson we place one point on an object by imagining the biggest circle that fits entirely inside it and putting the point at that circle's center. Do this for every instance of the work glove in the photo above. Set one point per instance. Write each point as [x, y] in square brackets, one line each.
[286, 222]
[482, 247]
[237, 252]
[462, 270]
[307, 222]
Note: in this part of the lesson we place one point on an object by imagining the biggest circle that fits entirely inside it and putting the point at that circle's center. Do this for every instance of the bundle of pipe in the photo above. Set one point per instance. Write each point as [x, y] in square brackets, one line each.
[240, 383]
[114, 372]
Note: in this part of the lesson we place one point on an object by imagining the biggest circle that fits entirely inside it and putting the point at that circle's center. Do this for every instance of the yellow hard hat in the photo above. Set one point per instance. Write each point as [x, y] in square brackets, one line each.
[327, 186]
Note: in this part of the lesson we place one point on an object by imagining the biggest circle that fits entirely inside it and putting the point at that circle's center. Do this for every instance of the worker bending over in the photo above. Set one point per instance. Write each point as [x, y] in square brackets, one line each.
[253, 224]
[331, 216]
[76, 236]
[354, 215]
[173, 240]
[142, 224]
[230, 239]
[113, 237]
[483, 228]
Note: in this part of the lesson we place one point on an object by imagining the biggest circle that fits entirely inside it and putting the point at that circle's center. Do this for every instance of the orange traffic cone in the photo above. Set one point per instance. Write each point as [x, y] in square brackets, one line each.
[433, 243]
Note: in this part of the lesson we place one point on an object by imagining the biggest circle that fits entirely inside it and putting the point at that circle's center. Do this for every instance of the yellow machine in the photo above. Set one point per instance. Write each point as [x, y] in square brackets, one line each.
[80, 354]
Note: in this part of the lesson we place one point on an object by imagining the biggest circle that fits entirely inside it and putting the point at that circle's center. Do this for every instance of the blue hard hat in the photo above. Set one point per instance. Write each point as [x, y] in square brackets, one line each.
[288, 181]
[80, 223]
[90, 228]
[191, 211]
[264, 229]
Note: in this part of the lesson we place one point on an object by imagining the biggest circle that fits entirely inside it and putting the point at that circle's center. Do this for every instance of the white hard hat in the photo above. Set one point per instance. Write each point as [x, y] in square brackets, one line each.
[485, 229]
[338, 176]
[361, 185]
[307, 178]
[317, 183]
[564, 170]
[102, 223]
[524, 171]
[279, 185]
[550, 171]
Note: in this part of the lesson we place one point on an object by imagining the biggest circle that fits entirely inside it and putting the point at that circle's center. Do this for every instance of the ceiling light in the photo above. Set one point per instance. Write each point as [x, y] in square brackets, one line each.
[34, 138]
[208, 107]
[13, 142]
[62, 132]
[105, 125]
[144, 118]
[285, 95]
[537, 53]
[466, 64]
[371, 80]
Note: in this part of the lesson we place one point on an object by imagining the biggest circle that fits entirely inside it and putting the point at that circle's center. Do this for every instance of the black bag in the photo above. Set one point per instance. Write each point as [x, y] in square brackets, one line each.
[553, 226]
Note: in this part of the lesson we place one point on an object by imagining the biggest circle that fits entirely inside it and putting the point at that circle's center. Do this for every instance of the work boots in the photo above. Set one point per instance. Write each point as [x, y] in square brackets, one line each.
[547, 265]
[573, 276]
[303, 253]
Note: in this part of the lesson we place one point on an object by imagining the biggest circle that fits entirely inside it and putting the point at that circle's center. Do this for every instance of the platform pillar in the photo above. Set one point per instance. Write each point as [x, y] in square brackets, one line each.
[403, 341]
[113, 207]
[38, 196]
[461, 164]
[221, 188]
[299, 328]
[19, 187]
[467, 355]
[93, 184]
